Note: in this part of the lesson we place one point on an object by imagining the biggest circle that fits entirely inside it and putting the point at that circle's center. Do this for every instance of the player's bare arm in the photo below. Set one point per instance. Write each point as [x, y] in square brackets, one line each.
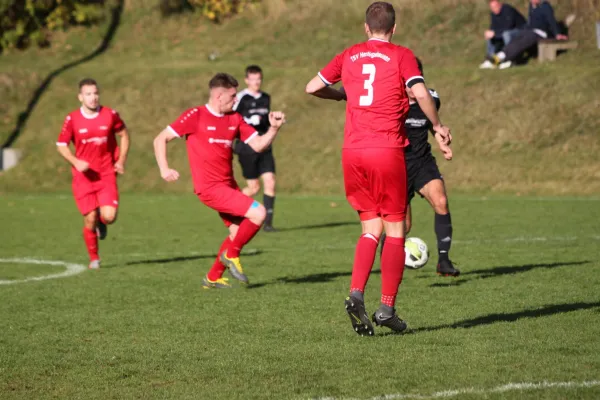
[319, 89]
[123, 151]
[80, 165]
[427, 104]
[160, 152]
[444, 147]
[261, 143]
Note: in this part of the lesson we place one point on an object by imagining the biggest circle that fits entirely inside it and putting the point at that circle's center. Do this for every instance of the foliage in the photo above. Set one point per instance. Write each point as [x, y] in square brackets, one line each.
[30, 22]
[214, 10]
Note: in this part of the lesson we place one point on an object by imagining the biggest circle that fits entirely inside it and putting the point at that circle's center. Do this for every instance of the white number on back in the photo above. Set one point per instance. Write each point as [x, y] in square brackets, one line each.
[368, 69]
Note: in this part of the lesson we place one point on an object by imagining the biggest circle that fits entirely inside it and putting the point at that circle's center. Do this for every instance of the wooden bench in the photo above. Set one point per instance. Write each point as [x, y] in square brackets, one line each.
[548, 48]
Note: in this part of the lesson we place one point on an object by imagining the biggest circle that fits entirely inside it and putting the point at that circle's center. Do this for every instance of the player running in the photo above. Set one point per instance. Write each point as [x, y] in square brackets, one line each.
[93, 129]
[210, 131]
[424, 177]
[375, 75]
[255, 105]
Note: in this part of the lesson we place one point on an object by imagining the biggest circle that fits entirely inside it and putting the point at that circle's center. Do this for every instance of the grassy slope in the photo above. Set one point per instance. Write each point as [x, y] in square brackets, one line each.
[525, 310]
[531, 129]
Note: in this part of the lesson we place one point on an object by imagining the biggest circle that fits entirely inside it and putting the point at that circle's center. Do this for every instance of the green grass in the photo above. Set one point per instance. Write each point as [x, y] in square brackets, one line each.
[525, 130]
[526, 309]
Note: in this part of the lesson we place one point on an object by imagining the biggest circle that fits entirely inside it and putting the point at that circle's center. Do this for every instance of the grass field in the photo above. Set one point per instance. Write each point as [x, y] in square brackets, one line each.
[525, 310]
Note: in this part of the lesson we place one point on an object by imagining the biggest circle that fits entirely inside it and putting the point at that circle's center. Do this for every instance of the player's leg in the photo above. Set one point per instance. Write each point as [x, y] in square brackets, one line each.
[108, 200]
[230, 201]
[87, 203]
[389, 183]
[267, 170]
[366, 247]
[435, 193]
[214, 277]
[249, 163]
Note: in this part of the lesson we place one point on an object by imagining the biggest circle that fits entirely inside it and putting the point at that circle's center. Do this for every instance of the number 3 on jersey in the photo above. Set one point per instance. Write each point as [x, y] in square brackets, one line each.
[368, 69]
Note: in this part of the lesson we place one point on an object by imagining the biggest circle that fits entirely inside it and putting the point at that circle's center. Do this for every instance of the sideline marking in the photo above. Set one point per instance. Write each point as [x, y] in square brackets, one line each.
[70, 269]
[498, 389]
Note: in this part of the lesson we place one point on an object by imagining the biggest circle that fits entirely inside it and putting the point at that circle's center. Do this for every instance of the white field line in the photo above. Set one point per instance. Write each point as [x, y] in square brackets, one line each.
[70, 269]
[498, 389]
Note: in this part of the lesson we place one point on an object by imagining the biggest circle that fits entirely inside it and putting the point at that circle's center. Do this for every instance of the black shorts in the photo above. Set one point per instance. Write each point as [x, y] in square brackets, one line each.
[255, 164]
[420, 172]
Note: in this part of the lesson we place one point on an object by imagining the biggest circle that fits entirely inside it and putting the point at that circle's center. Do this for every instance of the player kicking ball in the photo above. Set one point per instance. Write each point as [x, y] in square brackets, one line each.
[376, 75]
[97, 161]
[424, 177]
[210, 131]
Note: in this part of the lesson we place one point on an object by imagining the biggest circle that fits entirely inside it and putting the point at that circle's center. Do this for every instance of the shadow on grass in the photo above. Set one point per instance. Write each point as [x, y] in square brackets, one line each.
[168, 260]
[115, 20]
[313, 278]
[319, 226]
[545, 311]
[504, 270]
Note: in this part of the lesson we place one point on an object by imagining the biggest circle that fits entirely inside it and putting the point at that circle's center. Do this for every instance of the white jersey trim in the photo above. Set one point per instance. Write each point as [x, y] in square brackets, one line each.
[413, 78]
[213, 112]
[62, 144]
[172, 131]
[325, 81]
[251, 137]
[88, 116]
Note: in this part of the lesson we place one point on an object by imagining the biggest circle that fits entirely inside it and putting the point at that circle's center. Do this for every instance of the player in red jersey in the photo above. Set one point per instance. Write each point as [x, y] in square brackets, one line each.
[97, 161]
[210, 131]
[375, 75]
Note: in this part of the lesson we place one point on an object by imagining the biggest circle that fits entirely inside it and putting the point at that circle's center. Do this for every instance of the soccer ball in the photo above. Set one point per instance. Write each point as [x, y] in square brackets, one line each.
[417, 253]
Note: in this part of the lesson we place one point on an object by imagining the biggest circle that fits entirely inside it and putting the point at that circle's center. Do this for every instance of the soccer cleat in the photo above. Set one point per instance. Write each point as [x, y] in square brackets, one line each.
[487, 64]
[101, 230]
[234, 266]
[358, 316]
[94, 264]
[386, 316]
[269, 228]
[505, 65]
[221, 283]
[446, 268]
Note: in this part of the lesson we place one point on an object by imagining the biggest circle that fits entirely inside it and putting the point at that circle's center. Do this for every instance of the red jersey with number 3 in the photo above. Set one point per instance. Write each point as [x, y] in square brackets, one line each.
[93, 137]
[209, 139]
[375, 75]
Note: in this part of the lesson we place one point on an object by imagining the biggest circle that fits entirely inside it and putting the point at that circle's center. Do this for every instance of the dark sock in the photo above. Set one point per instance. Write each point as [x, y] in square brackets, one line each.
[443, 231]
[270, 206]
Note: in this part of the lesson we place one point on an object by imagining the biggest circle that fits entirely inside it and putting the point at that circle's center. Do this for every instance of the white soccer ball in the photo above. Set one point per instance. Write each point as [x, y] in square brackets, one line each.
[417, 253]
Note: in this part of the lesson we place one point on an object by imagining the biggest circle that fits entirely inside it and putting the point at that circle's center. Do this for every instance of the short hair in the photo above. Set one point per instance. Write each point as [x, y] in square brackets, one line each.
[381, 17]
[87, 82]
[253, 69]
[223, 80]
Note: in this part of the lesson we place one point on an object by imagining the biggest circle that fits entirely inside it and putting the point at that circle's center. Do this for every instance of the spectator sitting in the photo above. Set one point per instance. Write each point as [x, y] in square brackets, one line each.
[506, 22]
[541, 25]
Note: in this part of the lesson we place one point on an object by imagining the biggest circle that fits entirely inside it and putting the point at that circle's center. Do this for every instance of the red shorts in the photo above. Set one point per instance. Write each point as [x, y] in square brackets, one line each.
[375, 182]
[95, 192]
[228, 201]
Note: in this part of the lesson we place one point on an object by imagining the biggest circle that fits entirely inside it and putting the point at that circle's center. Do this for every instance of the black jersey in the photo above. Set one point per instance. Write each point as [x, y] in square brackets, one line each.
[417, 129]
[255, 109]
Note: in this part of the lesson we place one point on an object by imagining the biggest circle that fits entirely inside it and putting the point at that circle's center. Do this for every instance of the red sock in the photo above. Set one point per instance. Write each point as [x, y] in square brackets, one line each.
[216, 272]
[366, 248]
[91, 242]
[245, 233]
[392, 269]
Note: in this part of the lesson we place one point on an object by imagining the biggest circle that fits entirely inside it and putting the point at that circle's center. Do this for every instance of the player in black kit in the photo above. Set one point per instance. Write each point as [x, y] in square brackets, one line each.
[254, 105]
[423, 177]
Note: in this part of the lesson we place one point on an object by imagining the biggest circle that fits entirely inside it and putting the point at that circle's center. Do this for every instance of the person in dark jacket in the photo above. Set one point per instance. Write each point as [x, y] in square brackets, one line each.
[541, 25]
[506, 23]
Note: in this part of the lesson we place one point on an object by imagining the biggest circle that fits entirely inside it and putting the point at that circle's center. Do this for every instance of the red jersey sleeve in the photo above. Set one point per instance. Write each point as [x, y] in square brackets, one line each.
[66, 134]
[332, 73]
[118, 123]
[246, 131]
[186, 124]
[409, 69]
